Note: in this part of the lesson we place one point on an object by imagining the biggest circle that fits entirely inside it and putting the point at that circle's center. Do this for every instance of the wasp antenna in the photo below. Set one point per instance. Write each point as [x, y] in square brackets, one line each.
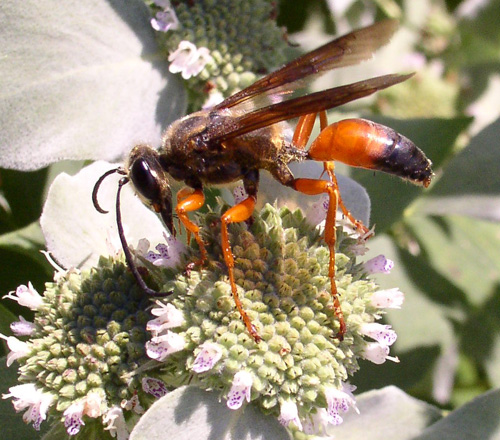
[128, 255]
[98, 185]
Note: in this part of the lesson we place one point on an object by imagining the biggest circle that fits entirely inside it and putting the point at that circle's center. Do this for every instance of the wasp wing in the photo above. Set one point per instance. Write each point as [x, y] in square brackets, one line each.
[303, 105]
[347, 50]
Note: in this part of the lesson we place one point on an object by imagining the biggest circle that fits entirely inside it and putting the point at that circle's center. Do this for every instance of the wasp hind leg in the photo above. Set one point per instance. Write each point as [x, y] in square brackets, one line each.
[316, 187]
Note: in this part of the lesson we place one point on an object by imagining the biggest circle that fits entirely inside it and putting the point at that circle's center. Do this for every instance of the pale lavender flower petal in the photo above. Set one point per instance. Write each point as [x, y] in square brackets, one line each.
[22, 327]
[239, 194]
[155, 387]
[317, 211]
[339, 400]
[289, 413]
[169, 253]
[188, 59]
[208, 356]
[377, 353]
[162, 346]
[73, 417]
[168, 317]
[18, 349]
[27, 396]
[379, 264]
[388, 299]
[383, 334]
[115, 423]
[26, 296]
[133, 404]
[240, 390]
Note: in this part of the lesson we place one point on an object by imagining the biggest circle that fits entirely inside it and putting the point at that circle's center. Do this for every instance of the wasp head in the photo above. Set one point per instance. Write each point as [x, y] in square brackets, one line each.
[151, 182]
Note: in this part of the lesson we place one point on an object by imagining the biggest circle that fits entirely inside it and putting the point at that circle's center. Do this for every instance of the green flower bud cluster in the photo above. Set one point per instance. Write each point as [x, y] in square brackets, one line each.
[89, 336]
[242, 38]
[281, 269]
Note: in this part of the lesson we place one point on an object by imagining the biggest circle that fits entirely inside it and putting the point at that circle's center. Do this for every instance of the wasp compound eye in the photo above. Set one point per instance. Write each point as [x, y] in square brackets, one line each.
[145, 180]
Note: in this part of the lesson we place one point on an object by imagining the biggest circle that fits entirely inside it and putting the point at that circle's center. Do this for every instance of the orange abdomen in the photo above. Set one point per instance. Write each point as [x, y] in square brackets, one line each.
[365, 144]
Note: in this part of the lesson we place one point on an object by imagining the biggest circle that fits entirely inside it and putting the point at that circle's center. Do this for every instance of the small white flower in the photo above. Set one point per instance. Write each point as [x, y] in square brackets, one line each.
[115, 423]
[27, 296]
[379, 264]
[388, 299]
[60, 272]
[155, 387]
[317, 423]
[169, 254]
[36, 402]
[133, 404]
[165, 20]
[381, 333]
[377, 353]
[316, 214]
[208, 356]
[18, 349]
[162, 346]
[289, 413]
[73, 417]
[92, 405]
[22, 327]
[168, 317]
[188, 59]
[239, 194]
[339, 401]
[240, 390]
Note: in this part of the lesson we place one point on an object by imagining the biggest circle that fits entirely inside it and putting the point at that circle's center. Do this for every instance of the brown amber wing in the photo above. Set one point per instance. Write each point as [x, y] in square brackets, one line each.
[303, 105]
[344, 51]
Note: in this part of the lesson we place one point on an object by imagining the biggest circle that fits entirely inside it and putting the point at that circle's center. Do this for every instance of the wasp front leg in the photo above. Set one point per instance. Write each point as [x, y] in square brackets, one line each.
[238, 213]
[189, 200]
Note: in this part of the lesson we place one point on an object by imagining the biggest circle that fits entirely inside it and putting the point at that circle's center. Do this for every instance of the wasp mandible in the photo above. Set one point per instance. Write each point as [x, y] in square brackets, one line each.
[244, 134]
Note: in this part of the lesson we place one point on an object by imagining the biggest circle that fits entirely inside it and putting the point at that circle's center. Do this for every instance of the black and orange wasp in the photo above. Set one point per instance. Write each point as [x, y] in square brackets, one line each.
[244, 134]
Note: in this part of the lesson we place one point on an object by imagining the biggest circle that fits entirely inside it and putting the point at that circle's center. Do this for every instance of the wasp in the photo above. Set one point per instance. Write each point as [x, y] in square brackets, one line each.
[245, 133]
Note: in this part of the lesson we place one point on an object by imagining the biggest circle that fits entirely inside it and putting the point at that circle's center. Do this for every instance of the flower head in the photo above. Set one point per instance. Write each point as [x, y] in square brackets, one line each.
[87, 339]
[281, 271]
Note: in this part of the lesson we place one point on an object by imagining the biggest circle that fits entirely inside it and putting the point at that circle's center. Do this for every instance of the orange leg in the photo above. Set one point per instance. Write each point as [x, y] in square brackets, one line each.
[238, 213]
[330, 170]
[315, 187]
[187, 201]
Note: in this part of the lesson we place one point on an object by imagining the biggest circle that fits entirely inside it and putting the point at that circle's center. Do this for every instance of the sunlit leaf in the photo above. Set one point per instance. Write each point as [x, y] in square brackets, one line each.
[77, 234]
[80, 80]
[189, 412]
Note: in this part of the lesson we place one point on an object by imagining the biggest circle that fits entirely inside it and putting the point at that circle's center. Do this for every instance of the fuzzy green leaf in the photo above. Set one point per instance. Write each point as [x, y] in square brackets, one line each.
[80, 80]
[189, 412]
